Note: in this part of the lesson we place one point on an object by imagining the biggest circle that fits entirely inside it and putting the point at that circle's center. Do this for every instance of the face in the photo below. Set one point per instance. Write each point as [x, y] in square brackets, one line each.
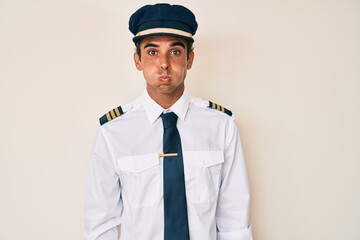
[164, 63]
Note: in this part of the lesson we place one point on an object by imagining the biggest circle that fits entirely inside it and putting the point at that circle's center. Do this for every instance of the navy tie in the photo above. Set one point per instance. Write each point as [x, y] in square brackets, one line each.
[175, 211]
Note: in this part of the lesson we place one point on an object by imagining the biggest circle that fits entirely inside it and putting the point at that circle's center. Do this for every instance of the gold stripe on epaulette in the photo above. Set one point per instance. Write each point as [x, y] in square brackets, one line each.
[108, 116]
[112, 114]
[117, 112]
[222, 109]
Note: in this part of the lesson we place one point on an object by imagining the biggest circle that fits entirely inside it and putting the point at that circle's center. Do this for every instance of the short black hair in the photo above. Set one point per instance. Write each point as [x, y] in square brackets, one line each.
[189, 45]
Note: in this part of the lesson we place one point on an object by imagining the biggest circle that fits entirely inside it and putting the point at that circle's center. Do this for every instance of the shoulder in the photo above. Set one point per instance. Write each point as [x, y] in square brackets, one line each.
[211, 106]
[111, 115]
[116, 113]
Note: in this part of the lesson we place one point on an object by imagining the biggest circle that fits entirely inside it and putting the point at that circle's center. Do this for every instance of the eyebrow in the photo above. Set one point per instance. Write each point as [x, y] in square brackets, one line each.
[150, 45]
[174, 44]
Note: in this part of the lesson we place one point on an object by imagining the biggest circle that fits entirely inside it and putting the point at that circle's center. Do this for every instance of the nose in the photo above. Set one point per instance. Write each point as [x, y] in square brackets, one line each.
[164, 62]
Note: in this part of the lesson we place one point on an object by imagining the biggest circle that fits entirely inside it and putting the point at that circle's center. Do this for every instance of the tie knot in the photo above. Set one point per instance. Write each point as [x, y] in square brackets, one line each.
[169, 119]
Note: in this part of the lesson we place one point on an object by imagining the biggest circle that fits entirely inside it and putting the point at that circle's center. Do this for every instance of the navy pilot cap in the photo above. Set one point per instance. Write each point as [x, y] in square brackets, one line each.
[163, 20]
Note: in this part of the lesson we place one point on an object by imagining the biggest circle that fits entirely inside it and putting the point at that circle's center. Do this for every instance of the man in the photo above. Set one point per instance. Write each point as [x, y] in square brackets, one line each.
[168, 165]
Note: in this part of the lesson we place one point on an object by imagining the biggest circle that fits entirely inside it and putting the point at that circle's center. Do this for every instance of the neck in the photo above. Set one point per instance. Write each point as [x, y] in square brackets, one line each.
[166, 100]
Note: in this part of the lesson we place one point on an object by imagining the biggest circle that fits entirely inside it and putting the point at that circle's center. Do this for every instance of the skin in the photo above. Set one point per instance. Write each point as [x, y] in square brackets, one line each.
[164, 63]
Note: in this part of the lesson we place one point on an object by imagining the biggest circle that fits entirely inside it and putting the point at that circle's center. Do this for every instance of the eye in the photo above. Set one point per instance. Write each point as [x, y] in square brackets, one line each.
[175, 52]
[152, 52]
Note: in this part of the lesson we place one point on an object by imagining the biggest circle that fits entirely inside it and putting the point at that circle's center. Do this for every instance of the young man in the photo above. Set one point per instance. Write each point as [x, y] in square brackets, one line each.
[169, 165]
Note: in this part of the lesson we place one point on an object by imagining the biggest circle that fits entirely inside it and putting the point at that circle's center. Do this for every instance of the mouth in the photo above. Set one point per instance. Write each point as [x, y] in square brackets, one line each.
[165, 78]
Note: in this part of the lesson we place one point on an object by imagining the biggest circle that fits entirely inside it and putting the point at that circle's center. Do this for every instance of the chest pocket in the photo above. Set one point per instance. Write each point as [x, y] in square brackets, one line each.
[140, 179]
[202, 175]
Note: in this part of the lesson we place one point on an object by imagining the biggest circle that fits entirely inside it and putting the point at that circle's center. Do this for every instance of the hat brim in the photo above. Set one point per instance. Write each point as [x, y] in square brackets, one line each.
[138, 38]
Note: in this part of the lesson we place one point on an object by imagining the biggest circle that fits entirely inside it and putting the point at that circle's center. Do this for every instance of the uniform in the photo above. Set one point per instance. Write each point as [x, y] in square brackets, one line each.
[205, 194]
[125, 181]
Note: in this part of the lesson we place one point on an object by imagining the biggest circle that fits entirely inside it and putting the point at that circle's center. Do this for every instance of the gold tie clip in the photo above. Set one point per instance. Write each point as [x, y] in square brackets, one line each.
[168, 154]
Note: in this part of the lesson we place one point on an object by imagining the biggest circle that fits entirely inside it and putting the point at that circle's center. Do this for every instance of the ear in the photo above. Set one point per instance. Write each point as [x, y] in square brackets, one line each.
[190, 60]
[137, 62]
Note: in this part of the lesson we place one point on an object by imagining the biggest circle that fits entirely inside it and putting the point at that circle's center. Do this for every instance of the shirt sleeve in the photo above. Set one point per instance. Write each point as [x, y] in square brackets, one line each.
[232, 216]
[103, 205]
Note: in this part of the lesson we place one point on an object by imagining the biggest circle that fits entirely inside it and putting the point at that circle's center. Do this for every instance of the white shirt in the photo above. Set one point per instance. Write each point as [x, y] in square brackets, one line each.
[125, 185]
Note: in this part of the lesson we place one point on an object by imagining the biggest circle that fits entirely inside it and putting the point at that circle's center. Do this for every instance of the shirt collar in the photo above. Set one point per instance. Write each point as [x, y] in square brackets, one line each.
[154, 110]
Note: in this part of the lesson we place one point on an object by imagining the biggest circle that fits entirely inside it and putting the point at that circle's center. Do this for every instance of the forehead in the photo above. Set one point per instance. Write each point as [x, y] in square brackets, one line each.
[163, 40]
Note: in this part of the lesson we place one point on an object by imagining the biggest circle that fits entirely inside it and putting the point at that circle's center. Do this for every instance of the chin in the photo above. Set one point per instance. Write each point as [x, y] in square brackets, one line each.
[166, 91]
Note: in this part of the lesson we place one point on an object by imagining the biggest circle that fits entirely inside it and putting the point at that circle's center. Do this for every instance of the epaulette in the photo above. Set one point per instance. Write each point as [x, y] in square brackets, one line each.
[114, 113]
[220, 108]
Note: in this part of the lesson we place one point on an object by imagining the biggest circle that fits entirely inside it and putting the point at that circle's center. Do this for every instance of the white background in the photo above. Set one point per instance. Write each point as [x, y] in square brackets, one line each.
[289, 70]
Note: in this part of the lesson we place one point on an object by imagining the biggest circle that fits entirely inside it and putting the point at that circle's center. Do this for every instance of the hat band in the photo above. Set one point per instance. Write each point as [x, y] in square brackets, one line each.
[164, 30]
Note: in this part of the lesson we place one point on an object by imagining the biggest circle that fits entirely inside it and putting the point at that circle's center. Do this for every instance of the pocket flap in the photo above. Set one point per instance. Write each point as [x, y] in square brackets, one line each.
[138, 163]
[204, 158]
